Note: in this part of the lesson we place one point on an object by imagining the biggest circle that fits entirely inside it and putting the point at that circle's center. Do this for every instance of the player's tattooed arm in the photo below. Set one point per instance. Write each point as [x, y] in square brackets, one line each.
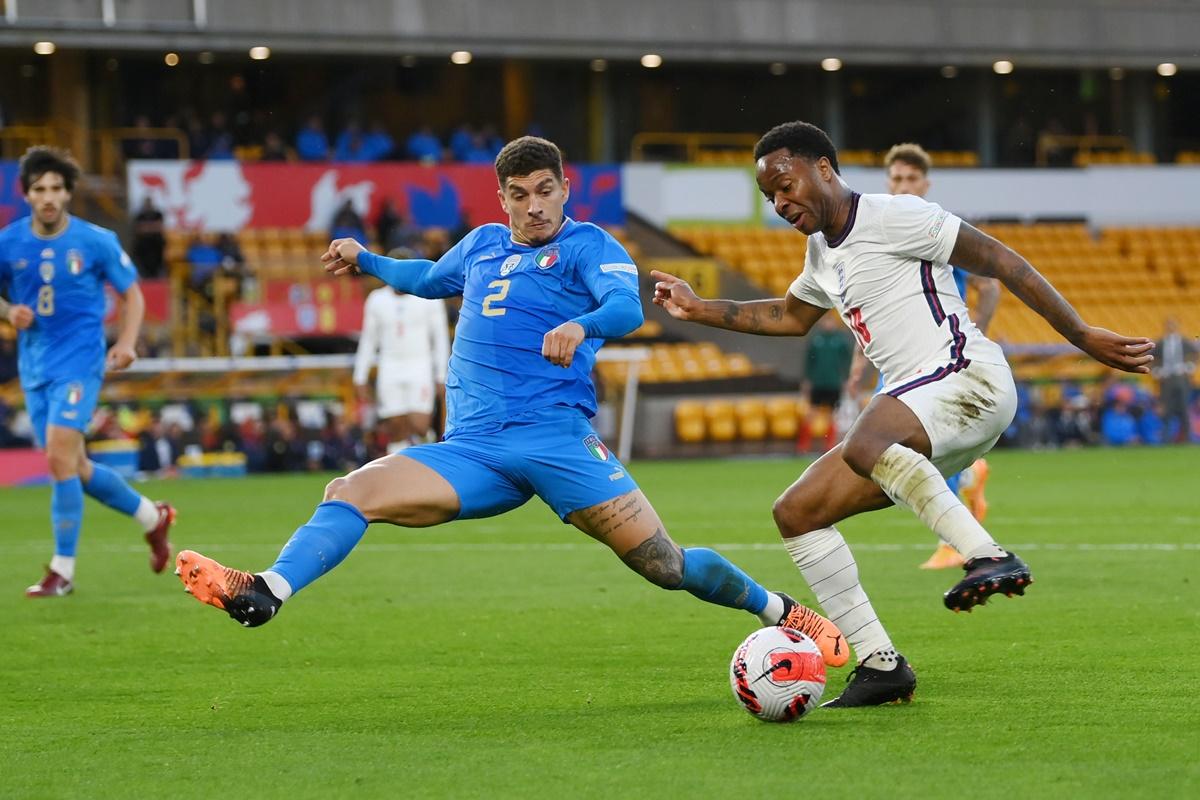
[784, 316]
[978, 253]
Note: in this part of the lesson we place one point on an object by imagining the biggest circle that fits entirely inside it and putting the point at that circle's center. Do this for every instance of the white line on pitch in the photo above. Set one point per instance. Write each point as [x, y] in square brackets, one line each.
[517, 547]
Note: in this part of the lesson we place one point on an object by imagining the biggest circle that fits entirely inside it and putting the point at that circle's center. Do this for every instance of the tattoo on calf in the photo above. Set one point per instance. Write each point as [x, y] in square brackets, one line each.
[658, 560]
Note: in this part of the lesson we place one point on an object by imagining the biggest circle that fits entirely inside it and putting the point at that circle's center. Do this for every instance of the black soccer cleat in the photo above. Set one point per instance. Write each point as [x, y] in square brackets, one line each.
[985, 577]
[867, 686]
[242, 595]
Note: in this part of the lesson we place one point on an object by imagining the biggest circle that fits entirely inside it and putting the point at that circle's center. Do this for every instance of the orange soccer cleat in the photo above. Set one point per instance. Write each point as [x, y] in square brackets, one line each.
[945, 557]
[828, 636]
[239, 594]
[160, 545]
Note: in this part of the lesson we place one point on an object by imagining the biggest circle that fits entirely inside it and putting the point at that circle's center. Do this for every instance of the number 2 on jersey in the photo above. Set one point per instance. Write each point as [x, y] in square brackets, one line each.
[496, 297]
[45, 301]
[859, 327]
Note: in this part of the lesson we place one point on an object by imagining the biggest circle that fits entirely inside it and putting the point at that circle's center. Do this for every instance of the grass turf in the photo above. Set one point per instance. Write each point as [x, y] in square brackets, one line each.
[514, 657]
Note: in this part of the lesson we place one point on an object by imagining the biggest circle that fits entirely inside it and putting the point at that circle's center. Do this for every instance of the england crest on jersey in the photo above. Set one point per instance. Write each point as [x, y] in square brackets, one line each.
[75, 262]
[596, 447]
[509, 265]
[547, 257]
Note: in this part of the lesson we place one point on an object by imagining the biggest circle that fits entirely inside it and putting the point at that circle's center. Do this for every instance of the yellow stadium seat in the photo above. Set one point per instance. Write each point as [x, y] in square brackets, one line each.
[720, 420]
[689, 421]
[751, 419]
[782, 417]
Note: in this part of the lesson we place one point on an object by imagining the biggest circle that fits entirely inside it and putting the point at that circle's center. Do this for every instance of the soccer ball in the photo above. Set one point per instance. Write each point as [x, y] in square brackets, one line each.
[778, 674]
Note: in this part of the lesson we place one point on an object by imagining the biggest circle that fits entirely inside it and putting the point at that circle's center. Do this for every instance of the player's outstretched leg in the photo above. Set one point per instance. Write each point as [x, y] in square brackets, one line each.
[156, 519]
[827, 492]
[315, 548]
[392, 489]
[630, 526]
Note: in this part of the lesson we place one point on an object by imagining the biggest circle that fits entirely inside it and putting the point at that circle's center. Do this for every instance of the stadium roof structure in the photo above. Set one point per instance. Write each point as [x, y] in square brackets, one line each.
[1101, 33]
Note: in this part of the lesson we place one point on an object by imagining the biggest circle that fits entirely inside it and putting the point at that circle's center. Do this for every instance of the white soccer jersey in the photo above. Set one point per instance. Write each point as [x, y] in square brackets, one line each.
[886, 274]
[410, 335]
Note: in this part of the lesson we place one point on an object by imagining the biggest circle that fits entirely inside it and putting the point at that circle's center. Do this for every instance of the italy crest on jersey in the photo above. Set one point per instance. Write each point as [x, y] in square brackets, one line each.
[75, 262]
[509, 265]
[547, 257]
[596, 447]
[74, 393]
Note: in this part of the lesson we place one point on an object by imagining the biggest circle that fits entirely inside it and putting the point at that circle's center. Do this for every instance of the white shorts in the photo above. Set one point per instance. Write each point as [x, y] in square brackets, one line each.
[403, 396]
[964, 409]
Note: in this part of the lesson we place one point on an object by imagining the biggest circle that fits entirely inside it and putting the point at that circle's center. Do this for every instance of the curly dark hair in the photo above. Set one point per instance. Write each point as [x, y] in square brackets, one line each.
[527, 155]
[800, 139]
[39, 160]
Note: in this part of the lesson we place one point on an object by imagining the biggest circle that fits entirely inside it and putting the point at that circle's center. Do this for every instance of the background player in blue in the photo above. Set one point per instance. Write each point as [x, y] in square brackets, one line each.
[540, 296]
[908, 167]
[55, 266]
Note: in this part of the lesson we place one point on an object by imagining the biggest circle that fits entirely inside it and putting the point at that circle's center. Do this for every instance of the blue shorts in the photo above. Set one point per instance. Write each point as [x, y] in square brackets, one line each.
[68, 402]
[555, 455]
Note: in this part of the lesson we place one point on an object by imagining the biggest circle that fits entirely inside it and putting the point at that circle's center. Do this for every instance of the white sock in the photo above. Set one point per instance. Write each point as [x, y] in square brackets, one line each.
[146, 515]
[63, 565]
[825, 561]
[396, 447]
[911, 480]
[772, 611]
[278, 586]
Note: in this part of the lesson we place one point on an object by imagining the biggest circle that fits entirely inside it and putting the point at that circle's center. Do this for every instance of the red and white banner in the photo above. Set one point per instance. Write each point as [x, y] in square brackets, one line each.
[218, 196]
[158, 301]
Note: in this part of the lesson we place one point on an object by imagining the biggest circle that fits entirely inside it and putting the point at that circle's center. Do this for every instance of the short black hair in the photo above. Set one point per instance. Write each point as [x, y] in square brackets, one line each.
[39, 160]
[800, 139]
[527, 155]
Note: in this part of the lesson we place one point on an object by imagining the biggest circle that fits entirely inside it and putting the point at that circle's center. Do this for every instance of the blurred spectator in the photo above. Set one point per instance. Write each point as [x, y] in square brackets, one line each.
[311, 142]
[424, 146]
[350, 146]
[1174, 367]
[220, 139]
[148, 239]
[275, 149]
[478, 152]
[347, 224]
[9, 438]
[1118, 425]
[157, 450]
[8, 353]
[460, 142]
[141, 146]
[232, 260]
[204, 257]
[827, 362]
[391, 229]
[378, 144]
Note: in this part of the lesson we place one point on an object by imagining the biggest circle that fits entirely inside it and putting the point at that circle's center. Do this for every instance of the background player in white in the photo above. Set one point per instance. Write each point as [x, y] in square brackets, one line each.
[407, 338]
[908, 168]
[881, 261]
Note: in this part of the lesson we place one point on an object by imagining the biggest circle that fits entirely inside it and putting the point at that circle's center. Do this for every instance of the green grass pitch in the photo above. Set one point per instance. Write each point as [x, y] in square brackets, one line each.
[513, 657]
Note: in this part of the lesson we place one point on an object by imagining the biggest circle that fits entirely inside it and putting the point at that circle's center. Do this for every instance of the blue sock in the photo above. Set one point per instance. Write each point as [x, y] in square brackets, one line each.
[111, 489]
[66, 514]
[710, 576]
[320, 545]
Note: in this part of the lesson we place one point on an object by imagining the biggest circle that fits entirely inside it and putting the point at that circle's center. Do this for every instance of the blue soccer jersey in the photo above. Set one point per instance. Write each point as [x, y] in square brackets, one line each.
[61, 278]
[960, 280]
[513, 295]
